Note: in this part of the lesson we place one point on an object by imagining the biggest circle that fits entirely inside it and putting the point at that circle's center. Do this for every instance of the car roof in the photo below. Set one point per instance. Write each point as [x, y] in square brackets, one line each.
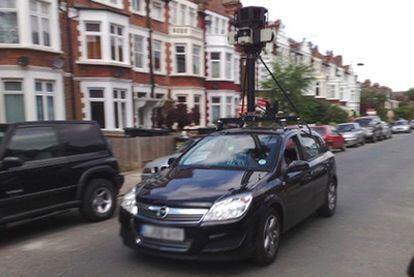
[279, 131]
[49, 122]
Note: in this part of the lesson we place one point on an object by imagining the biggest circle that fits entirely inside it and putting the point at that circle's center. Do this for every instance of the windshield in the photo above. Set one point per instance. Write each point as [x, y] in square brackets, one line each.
[400, 123]
[246, 151]
[345, 127]
[319, 130]
[363, 121]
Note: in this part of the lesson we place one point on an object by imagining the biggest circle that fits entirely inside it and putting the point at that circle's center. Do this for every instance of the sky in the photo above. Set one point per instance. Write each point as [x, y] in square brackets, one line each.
[377, 33]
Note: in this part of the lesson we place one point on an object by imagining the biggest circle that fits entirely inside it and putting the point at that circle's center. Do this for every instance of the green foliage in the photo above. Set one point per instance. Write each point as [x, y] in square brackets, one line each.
[296, 79]
[405, 112]
[410, 94]
[376, 101]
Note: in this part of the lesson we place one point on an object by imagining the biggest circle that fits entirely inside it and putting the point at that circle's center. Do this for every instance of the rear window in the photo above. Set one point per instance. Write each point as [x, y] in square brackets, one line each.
[81, 138]
[363, 121]
[345, 127]
[320, 130]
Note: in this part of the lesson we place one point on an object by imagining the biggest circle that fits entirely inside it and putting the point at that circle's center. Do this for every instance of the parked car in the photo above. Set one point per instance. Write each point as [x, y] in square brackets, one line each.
[231, 196]
[412, 124]
[47, 167]
[352, 133]
[333, 139]
[401, 126]
[372, 127]
[386, 130]
[159, 164]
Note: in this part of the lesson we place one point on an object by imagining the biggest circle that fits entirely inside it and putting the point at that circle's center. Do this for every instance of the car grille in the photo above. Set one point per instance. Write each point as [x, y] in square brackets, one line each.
[172, 214]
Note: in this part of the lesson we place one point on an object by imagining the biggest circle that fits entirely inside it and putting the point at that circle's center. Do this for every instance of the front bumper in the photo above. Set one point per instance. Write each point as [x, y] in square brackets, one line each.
[351, 140]
[401, 130]
[232, 241]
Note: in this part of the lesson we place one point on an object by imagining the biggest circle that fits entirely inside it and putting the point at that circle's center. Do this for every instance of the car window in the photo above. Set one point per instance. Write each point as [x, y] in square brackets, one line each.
[33, 143]
[311, 147]
[345, 127]
[81, 138]
[253, 151]
[292, 150]
[319, 130]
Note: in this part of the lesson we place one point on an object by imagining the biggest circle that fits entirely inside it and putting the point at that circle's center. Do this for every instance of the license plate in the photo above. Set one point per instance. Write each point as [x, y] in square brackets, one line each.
[162, 233]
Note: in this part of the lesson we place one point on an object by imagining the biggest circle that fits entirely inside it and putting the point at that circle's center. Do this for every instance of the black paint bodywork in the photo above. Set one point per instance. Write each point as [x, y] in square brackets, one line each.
[294, 195]
[39, 187]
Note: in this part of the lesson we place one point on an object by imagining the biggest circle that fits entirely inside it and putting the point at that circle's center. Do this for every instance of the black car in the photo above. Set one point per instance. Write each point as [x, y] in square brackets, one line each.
[372, 127]
[231, 195]
[47, 167]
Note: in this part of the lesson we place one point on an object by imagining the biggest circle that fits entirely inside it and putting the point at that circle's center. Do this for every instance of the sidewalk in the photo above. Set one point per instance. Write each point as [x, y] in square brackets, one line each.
[131, 179]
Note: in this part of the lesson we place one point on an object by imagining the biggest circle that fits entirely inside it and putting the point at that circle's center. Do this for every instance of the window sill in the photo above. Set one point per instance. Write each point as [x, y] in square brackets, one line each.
[119, 6]
[137, 12]
[160, 73]
[101, 62]
[186, 75]
[162, 20]
[140, 70]
[220, 80]
[30, 47]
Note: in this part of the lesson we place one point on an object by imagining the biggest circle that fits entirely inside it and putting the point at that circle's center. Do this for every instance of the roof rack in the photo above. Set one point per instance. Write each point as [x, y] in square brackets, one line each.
[240, 122]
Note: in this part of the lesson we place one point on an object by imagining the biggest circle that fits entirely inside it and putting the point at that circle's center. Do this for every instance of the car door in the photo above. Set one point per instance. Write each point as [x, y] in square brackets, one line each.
[33, 184]
[318, 175]
[296, 183]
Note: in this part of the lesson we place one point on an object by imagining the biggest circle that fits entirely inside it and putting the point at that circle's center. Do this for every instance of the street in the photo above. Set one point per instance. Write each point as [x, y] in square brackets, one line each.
[372, 233]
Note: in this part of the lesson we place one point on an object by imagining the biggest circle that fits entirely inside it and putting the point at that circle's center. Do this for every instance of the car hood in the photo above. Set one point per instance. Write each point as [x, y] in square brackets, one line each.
[195, 187]
[161, 162]
[349, 134]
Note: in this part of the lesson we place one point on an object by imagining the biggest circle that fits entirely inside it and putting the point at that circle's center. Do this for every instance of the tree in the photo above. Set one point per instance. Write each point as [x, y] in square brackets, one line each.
[410, 94]
[405, 112]
[296, 79]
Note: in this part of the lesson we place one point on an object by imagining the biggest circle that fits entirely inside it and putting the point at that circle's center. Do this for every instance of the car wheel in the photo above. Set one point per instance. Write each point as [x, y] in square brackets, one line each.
[374, 139]
[99, 200]
[329, 206]
[268, 238]
[363, 141]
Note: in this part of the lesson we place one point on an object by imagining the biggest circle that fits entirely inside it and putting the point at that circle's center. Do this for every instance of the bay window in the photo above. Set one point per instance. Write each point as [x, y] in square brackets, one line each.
[120, 101]
[229, 109]
[9, 30]
[215, 108]
[117, 42]
[216, 25]
[93, 40]
[182, 13]
[97, 106]
[192, 17]
[39, 21]
[137, 6]
[173, 12]
[236, 70]
[13, 101]
[215, 65]
[180, 58]
[156, 55]
[196, 59]
[45, 103]
[139, 51]
[223, 26]
[229, 58]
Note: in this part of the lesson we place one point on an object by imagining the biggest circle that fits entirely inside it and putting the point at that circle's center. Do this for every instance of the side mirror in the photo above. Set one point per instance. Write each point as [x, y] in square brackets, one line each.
[9, 162]
[171, 161]
[297, 166]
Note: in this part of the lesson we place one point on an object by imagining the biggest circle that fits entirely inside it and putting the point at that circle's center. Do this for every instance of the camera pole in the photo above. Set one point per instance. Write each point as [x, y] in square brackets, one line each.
[251, 74]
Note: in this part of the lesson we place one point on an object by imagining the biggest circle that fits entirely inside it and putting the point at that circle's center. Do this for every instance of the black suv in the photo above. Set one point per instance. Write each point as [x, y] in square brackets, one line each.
[231, 195]
[46, 167]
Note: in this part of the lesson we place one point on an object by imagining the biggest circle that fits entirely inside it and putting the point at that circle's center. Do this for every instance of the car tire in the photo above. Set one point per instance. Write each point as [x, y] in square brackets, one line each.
[99, 200]
[328, 208]
[268, 238]
[374, 139]
[363, 141]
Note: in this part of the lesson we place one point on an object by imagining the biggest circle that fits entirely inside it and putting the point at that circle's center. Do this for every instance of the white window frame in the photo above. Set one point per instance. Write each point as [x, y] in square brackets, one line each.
[4, 92]
[44, 94]
[40, 17]
[236, 70]
[161, 5]
[192, 17]
[160, 50]
[119, 3]
[215, 61]
[90, 99]
[228, 66]
[181, 54]
[13, 10]
[121, 104]
[139, 52]
[142, 7]
[196, 59]
[93, 34]
[119, 41]
[173, 6]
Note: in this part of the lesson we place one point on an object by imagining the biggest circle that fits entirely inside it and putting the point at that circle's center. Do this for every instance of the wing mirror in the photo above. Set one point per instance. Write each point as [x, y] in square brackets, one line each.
[171, 161]
[297, 166]
[9, 162]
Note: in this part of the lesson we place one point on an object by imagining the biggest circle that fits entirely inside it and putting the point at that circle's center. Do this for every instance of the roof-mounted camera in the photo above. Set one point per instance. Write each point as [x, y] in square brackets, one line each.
[250, 28]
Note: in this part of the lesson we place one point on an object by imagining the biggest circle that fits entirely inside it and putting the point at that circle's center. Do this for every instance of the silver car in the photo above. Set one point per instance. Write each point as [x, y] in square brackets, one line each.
[401, 126]
[159, 164]
[352, 133]
[386, 130]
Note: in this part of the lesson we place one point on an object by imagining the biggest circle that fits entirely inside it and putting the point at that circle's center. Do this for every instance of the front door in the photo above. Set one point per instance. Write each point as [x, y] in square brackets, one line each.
[36, 183]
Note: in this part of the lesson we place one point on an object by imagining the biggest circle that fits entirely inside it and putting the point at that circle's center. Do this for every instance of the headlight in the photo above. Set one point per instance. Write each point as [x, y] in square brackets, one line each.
[129, 202]
[229, 208]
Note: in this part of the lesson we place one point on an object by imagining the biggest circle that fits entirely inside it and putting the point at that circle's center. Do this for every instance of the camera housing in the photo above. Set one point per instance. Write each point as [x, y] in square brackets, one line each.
[250, 24]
